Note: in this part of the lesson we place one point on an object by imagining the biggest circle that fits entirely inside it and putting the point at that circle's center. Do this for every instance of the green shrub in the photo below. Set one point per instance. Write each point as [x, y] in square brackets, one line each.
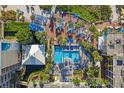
[16, 26]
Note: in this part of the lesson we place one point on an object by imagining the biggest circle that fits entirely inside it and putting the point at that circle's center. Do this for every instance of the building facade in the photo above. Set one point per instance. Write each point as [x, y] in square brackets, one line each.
[118, 68]
[114, 49]
[9, 63]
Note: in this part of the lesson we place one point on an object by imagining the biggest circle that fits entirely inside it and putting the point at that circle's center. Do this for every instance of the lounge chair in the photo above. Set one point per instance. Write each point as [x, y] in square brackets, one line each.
[71, 47]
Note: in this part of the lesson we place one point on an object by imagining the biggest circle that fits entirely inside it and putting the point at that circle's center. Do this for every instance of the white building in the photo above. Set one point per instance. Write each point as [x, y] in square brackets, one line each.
[33, 58]
[33, 55]
[113, 46]
[9, 62]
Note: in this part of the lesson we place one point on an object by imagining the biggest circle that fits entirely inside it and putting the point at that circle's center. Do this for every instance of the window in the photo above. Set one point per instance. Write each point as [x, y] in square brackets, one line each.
[5, 77]
[2, 80]
[8, 75]
[3, 71]
[6, 69]
[119, 62]
[7, 84]
[3, 85]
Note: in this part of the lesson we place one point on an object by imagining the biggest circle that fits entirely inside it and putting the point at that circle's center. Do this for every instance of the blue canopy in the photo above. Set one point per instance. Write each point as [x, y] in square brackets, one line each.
[86, 53]
[36, 27]
[70, 30]
[41, 20]
[119, 30]
[70, 40]
[76, 16]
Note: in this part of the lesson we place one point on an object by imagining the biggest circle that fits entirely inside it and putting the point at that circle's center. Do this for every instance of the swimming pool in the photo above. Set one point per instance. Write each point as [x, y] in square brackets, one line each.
[59, 55]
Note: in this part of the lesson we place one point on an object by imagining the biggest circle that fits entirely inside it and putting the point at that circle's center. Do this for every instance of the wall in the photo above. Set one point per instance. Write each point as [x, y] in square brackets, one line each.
[117, 79]
[10, 56]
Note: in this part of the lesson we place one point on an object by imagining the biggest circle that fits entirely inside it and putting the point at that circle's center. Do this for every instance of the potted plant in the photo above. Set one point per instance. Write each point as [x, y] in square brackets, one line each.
[76, 82]
[34, 84]
[41, 84]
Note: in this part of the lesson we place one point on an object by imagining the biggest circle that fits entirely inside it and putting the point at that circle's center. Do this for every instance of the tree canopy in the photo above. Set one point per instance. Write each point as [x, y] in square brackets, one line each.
[45, 7]
[91, 13]
[16, 26]
[105, 12]
[24, 36]
[8, 15]
[41, 37]
[62, 40]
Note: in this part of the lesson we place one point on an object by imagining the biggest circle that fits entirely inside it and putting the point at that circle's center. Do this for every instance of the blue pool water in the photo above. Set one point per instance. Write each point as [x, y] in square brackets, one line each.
[59, 55]
[5, 46]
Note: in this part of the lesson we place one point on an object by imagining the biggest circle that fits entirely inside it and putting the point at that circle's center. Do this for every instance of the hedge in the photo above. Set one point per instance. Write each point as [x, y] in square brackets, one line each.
[16, 26]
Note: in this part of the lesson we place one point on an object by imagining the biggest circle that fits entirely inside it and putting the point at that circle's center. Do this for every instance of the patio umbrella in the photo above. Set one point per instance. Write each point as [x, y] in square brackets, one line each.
[70, 40]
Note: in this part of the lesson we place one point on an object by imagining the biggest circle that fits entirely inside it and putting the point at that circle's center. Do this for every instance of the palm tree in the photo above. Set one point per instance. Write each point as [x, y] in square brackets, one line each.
[85, 75]
[99, 58]
[32, 17]
[32, 9]
[27, 7]
[106, 82]
[41, 37]
[86, 45]
[90, 73]
[76, 81]
[62, 40]
[2, 22]
[94, 83]
[79, 25]
[44, 77]
[4, 6]
[24, 37]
